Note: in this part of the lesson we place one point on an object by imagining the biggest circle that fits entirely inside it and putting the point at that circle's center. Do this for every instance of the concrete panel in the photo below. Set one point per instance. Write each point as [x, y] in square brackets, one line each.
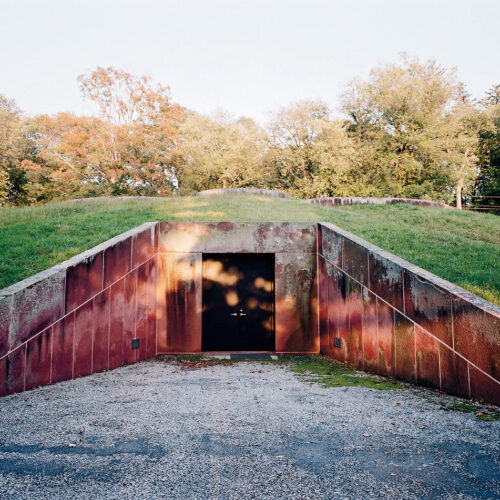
[355, 261]
[386, 345]
[429, 306]
[370, 337]
[84, 280]
[143, 244]
[386, 279]
[117, 303]
[36, 303]
[84, 319]
[182, 289]
[323, 305]
[129, 354]
[427, 358]
[117, 261]
[331, 245]
[338, 313]
[100, 353]
[141, 311]
[296, 303]
[483, 388]
[38, 360]
[62, 349]
[5, 319]
[355, 307]
[477, 336]
[12, 371]
[229, 237]
[405, 347]
[454, 372]
[151, 309]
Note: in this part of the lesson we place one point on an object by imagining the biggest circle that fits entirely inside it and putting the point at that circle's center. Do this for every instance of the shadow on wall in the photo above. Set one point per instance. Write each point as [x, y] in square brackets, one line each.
[141, 293]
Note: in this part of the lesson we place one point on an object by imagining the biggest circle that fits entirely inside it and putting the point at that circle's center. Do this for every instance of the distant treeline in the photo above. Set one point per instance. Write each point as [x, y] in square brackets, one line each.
[409, 130]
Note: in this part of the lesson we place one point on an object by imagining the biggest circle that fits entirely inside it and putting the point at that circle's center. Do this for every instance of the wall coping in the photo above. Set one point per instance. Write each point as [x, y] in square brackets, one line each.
[72, 261]
[371, 200]
[453, 289]
[258, 191]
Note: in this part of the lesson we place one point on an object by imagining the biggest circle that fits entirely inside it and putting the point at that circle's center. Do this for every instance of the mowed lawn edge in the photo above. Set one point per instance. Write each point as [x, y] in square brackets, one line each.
[461, 247]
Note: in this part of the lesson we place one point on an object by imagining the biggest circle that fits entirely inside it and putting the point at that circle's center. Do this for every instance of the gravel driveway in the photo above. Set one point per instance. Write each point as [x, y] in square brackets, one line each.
[246, 430]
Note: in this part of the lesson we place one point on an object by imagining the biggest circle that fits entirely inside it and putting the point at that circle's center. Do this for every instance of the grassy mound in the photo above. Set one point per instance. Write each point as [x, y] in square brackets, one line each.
[461, 247]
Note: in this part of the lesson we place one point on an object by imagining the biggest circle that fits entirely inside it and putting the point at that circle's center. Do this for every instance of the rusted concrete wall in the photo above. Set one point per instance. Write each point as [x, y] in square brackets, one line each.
[368, 200]
[334, 293]
[79, 317]
[396, 319]
[180, 280]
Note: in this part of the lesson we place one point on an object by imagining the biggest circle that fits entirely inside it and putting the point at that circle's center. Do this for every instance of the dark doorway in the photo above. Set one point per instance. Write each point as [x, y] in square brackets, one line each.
[238, 302]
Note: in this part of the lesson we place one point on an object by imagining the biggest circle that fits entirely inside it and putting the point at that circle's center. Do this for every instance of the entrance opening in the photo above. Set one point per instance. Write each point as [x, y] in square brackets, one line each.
[238, 302]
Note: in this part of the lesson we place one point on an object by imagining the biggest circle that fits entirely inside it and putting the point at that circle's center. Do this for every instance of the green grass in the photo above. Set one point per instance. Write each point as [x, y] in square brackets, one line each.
[461, 247]
[329, 373]
[485, 412]
[310, 369]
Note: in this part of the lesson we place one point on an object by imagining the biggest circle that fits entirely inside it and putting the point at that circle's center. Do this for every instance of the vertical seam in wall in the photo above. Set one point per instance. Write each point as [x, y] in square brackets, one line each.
[64, 296]
[92, 338]
[135, 314]
[394, 337]
[318, 308]
[103, 264]
[156, 303]
[25, 365]
[73, 346]
[109, 326]
[415, 350]
[452, 325]
[439, 366]
[123, 323]
[468, 378]
[362, 328]
[376, 325]
[51, 352]
[403, 285]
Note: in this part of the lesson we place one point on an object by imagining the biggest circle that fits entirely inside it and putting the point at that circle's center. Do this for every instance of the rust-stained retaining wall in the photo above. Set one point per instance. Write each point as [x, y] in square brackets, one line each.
[391, 317]
[397, 319]
[79, 317]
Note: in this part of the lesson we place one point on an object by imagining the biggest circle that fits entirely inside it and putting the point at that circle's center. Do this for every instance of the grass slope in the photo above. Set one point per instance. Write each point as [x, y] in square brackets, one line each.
[461, 247]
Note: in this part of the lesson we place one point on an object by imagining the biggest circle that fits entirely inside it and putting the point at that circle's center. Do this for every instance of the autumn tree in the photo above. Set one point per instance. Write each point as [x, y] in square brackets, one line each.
[140, 149]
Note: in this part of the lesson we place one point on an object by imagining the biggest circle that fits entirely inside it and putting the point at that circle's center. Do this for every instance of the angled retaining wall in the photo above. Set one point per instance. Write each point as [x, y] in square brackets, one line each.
[139, 294]
[390, 317]
[79, 317]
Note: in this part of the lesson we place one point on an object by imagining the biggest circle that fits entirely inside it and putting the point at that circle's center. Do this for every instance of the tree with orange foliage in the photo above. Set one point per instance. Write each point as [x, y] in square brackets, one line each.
[140, 142]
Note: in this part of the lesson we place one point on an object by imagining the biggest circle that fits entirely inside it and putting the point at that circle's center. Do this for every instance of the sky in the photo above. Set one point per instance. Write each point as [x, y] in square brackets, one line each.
[245, 57]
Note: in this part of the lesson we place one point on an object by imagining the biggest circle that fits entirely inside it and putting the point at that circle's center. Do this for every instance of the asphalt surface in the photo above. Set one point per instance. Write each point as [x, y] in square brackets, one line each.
[154, 430]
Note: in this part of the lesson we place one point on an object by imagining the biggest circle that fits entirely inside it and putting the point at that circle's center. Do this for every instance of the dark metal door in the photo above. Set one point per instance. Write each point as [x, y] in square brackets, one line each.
[238, 302]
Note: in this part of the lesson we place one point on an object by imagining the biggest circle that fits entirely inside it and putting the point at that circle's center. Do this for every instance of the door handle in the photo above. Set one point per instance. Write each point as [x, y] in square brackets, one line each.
[242, 313]
[234, 314]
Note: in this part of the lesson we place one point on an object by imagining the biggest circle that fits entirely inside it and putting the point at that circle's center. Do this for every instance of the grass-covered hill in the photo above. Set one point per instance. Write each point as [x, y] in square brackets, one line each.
[461, 247]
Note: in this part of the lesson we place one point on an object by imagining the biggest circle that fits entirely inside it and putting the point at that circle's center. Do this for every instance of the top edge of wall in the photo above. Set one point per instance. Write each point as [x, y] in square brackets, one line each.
[76, 259]
[261, 192]
[435, 280]
[369, 200]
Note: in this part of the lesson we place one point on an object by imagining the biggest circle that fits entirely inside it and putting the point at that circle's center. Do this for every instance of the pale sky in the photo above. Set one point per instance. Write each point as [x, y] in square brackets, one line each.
[246, 57]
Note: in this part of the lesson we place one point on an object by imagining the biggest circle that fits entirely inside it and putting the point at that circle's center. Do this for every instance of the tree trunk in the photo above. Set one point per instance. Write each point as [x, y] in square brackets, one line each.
[459, 194]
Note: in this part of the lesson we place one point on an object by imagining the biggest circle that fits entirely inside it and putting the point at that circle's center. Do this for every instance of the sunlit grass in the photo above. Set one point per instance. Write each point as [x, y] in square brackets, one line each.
[461, 247]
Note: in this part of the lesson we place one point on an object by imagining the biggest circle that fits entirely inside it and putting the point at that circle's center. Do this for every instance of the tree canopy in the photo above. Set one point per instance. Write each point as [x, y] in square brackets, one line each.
[409, 129]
